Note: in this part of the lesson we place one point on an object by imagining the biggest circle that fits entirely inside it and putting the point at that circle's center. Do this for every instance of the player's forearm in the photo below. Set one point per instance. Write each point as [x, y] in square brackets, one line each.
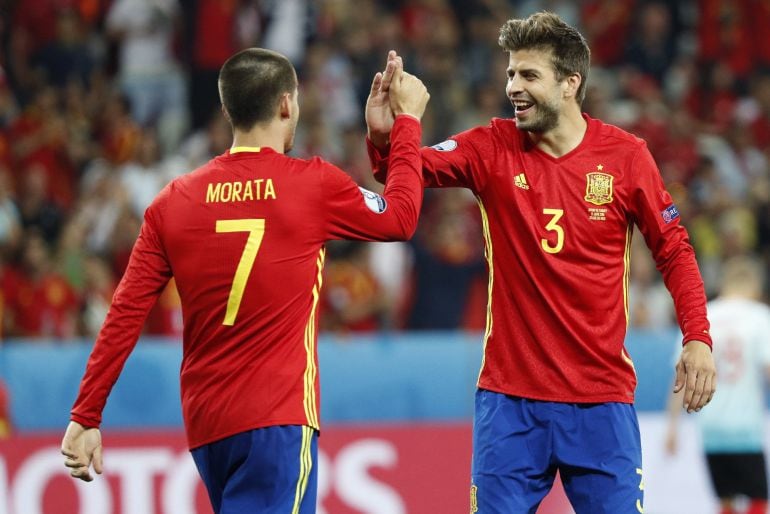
[380, 140]
[115, 342]
[378, 158]
[683, 280]
[142, 283]
[403, 187]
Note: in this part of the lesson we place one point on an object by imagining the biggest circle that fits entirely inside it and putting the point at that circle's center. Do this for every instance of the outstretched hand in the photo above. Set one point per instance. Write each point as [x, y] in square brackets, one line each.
[82, 447]
[696, 373]
[379, 116]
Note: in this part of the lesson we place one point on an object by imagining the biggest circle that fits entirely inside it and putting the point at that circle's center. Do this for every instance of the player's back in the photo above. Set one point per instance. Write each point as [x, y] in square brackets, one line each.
[244, 238]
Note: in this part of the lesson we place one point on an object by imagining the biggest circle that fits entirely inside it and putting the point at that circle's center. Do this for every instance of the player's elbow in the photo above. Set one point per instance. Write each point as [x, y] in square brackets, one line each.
[402, 231]
[380, 176]
[404, 224]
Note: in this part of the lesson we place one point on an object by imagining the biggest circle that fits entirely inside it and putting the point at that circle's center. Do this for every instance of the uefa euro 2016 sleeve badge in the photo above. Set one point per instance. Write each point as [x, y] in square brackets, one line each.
[598, 188]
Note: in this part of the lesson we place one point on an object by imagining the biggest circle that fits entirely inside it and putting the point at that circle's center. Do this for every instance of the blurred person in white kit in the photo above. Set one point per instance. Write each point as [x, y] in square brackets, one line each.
[732, 429]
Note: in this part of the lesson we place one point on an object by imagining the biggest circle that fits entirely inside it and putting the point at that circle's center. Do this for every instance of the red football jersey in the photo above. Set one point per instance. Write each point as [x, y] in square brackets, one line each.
[244, 237]
[558, 234]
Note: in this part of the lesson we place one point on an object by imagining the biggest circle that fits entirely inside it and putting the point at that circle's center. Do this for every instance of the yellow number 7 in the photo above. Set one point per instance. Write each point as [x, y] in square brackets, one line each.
[256, 229]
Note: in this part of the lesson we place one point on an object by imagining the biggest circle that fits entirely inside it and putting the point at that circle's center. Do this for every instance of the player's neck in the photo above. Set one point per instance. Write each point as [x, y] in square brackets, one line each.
[565, 137]
[270, 135]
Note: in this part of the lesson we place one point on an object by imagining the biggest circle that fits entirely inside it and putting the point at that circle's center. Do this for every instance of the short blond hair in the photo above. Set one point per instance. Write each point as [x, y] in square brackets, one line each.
[742, 275]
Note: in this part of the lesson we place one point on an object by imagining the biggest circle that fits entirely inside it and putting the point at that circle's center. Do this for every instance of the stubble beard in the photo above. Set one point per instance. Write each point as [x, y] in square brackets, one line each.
[546, 118]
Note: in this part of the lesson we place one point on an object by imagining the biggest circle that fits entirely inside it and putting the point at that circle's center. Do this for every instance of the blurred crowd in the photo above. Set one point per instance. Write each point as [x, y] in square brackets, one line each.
[102, 102]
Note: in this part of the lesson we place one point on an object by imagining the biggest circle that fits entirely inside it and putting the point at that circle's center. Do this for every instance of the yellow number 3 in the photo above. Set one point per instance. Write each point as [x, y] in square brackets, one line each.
[256, 229]
[553, 226]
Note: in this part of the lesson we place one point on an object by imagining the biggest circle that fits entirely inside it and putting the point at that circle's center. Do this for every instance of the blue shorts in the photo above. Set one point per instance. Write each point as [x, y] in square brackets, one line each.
[520, 444]
[268, 470]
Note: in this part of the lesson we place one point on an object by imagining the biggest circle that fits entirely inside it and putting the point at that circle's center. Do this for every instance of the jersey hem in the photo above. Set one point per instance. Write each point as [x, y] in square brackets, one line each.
[604, 398]
[193, 444]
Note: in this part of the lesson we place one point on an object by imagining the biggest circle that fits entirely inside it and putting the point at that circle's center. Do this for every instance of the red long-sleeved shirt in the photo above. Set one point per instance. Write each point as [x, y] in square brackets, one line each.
[558, 237]
[244, 238]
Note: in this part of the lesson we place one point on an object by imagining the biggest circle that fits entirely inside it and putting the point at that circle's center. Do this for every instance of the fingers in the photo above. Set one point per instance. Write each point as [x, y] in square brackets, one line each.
[75, 463]
[698, 396]
[97, 460]
[73, 460]
[392, 70]
[82, 474]
[713, 386]
[707, 393]
[699, 389]
[78, 466]
[377, 82]
[68, 453]
[691, 379]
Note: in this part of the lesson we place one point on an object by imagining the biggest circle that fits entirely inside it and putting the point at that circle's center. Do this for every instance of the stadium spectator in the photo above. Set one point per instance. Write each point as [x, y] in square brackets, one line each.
[37, 210]
[43, 304]
[447, 258]
[352, 300]
[213, 24]
[150, 74]
[67, 57]
[10, 219]
[97, 292]
[651, 47]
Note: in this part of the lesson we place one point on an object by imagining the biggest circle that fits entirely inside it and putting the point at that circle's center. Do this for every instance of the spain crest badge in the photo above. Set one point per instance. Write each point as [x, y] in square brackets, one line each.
[598, 188]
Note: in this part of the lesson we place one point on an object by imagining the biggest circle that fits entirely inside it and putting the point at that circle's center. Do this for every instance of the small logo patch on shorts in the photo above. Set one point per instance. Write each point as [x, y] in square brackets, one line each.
[474, 502]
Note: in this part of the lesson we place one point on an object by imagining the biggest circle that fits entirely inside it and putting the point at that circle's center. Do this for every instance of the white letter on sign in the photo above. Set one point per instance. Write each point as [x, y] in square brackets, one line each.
[354, 485]
[137, 469]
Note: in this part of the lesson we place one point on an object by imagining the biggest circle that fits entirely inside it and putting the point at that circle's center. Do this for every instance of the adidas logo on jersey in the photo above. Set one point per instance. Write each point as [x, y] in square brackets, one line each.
[521, 181]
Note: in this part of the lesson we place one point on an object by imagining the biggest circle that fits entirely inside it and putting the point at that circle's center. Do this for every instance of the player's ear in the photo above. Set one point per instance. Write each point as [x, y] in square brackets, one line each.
[227, 115]
[572, 84]
[285, 106]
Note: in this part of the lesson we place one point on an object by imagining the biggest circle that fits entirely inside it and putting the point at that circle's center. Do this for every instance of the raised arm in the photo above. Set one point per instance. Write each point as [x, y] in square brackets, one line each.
[362, 214]
[458, 162]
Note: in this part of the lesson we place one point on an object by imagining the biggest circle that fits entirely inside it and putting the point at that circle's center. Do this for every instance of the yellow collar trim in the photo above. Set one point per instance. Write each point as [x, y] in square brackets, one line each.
[238, 149]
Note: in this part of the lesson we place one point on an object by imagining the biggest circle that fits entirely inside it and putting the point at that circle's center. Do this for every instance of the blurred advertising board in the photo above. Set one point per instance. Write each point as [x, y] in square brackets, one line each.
[394, 469]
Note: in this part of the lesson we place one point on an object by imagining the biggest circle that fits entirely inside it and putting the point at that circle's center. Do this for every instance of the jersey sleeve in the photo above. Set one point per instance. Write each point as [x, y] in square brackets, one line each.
[656, 216]
[145, 278]
[457, 162]
[356, 213]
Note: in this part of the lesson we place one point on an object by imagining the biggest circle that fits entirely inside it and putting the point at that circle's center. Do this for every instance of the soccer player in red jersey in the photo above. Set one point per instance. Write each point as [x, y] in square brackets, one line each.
[243, 236]
[560, 193]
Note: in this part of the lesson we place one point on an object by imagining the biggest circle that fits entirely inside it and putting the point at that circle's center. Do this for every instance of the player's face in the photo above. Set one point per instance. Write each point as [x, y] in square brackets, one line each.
[289, 143]
[533, 90]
